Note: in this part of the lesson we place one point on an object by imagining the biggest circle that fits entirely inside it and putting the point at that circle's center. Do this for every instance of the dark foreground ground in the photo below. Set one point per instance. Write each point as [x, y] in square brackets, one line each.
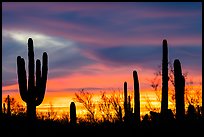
[17, 126]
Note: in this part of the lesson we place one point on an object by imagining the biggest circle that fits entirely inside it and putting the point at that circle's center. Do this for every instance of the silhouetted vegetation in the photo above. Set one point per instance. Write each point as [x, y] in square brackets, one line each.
[8, 106]
[12, 107]
[33, 95]
[179, 90]
[122, 120]
[72, 114]
[164, 102]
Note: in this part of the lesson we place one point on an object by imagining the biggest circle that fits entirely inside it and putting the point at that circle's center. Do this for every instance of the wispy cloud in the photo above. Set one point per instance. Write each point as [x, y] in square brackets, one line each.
[90, 39]
[15, 44]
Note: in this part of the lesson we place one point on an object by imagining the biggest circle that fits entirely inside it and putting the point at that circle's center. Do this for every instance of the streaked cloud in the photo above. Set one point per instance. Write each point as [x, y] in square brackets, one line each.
[15, 44]
[92, 39]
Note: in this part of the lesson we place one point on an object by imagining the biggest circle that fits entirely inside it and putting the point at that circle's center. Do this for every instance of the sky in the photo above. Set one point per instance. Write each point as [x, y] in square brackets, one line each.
[98, 45]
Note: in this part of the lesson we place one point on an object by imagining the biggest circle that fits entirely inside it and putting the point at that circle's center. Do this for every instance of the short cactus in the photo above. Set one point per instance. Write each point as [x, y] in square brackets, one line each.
[8, 106]
[72, 113]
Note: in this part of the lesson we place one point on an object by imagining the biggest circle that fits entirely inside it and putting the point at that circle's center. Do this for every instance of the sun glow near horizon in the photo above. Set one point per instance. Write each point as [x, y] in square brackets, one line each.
[59, 101]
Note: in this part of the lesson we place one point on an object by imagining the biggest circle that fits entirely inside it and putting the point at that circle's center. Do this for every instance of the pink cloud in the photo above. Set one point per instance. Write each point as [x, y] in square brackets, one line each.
[60, 7]
[106, 38]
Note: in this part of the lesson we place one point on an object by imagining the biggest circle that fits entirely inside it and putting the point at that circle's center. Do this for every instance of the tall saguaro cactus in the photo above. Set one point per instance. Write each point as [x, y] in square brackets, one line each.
[136, 98]
[164, 102]
[33, 95]
[72, 113]
[179, 90]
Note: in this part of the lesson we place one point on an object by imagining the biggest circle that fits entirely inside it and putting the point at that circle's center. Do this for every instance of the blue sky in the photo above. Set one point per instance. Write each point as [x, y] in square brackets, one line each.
[102, 40]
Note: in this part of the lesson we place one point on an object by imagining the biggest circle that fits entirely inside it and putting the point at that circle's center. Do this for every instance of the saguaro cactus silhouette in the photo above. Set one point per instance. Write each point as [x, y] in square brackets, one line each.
[164, 102]
[72, 113]
[179, 90]
[125, 100]
[129, 107]
[136, 98]
[33, 95]
[8, 106]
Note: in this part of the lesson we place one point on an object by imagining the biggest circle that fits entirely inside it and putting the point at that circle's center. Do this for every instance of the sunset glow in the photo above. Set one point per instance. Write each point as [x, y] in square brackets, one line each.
[97, 46]
[60, 101]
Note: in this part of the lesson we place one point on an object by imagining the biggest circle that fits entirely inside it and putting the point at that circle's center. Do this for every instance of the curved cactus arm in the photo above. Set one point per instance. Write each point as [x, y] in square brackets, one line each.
[38, 81]
[44, 70]
[38, 73]
[22, 80]
[41, 80]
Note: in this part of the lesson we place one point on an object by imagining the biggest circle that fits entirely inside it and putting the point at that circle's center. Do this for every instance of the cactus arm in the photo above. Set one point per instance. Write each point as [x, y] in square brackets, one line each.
[44, 71]
[41, 81]
[38, 73]
[31, 64]
[129, 106]
[22, 80]
[38, 81]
